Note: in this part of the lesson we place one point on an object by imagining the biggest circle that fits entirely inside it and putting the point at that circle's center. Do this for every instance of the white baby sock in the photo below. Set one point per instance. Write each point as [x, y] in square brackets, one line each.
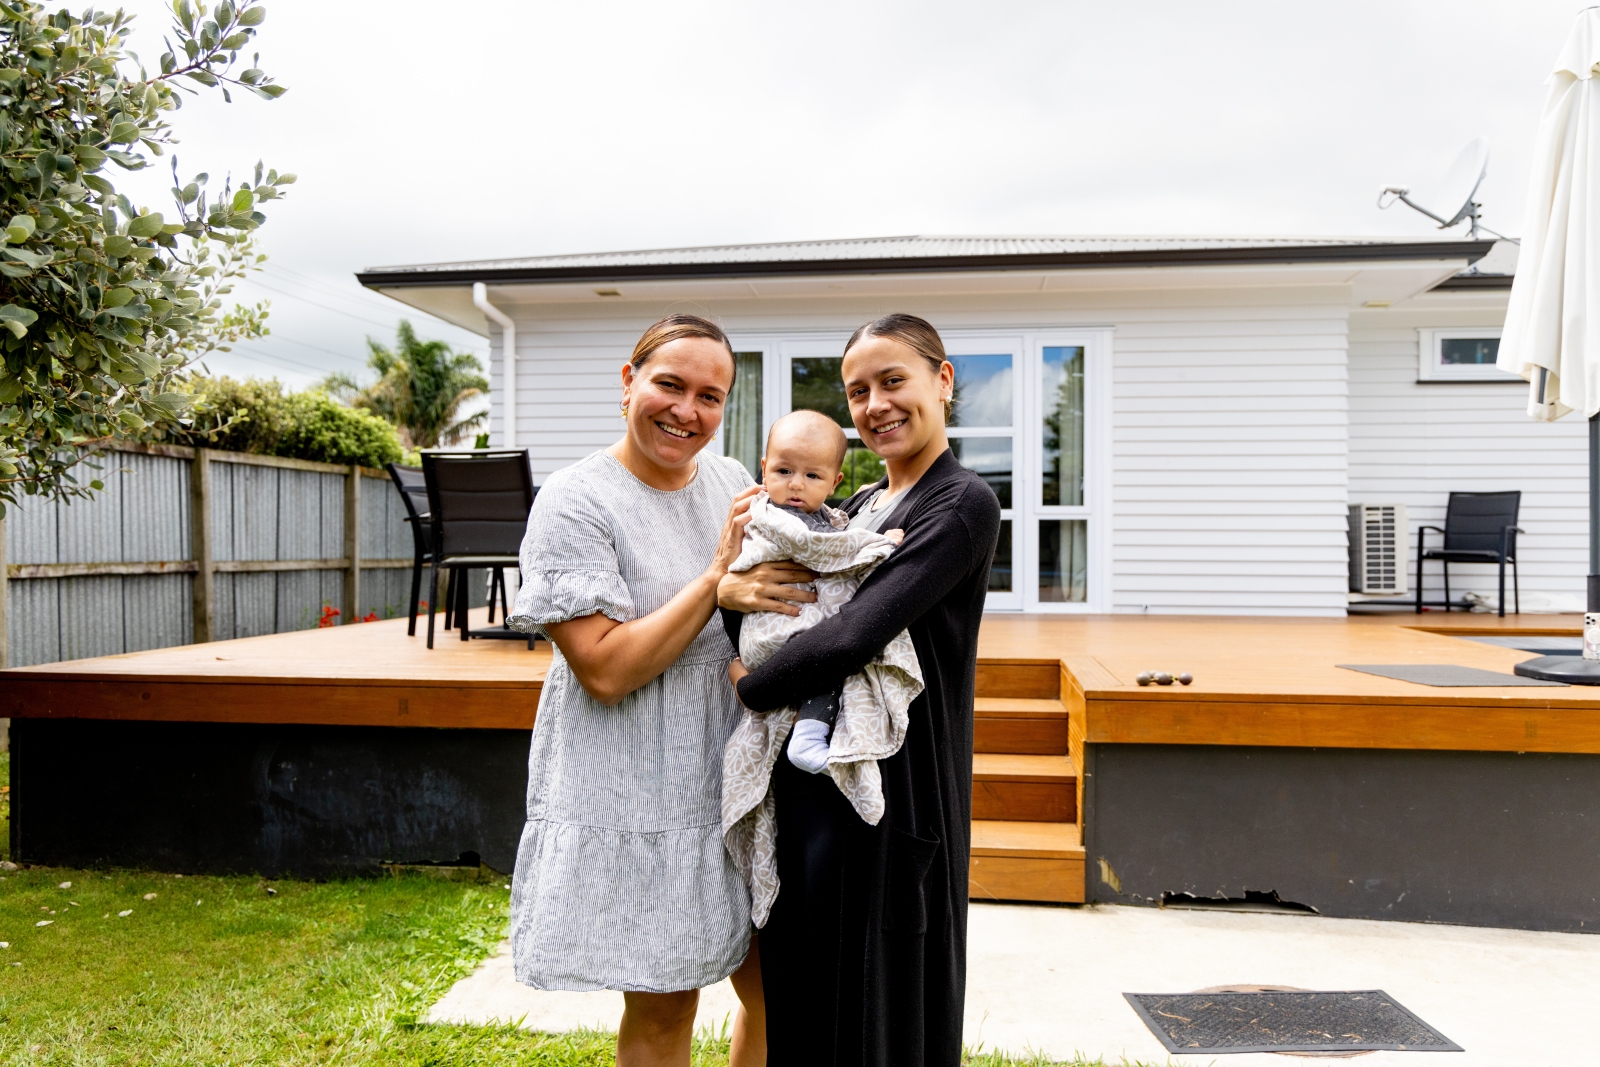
[808, 745]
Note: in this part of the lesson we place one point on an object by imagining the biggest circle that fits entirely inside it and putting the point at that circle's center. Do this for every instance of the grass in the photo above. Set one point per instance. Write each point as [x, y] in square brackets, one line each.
[241, 970]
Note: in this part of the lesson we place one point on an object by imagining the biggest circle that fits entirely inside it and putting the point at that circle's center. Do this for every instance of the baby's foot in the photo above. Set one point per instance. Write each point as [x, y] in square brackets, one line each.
[808, 745]
[896, 536]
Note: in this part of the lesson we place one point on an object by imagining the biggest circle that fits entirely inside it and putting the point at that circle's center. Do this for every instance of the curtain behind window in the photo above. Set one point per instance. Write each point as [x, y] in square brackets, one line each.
[741, 424]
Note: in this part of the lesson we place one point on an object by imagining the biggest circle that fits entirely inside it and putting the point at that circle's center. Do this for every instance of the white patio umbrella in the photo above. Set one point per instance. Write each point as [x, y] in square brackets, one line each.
[1552, 331]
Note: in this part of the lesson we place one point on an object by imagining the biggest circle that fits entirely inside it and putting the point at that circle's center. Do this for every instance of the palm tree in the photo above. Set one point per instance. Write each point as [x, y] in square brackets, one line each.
[421, 388]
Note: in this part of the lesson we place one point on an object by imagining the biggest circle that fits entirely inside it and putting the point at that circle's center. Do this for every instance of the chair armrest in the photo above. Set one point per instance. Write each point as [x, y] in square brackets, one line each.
[1435, 529]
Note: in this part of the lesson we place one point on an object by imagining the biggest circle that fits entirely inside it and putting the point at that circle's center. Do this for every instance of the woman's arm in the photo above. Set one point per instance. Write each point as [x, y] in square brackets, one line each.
[956, 526]
[611, 659]
[766, 587]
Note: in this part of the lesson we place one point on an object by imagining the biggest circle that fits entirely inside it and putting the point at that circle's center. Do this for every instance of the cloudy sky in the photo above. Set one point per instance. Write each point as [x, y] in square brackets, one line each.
[423, 132]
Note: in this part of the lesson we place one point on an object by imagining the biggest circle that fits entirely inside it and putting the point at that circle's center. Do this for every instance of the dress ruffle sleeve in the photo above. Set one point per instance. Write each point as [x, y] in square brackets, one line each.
[568, 563]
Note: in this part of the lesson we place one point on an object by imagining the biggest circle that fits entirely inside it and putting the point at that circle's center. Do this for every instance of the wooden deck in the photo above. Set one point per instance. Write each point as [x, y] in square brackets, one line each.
[1049, 688]
[366, 675]
[1276, 681]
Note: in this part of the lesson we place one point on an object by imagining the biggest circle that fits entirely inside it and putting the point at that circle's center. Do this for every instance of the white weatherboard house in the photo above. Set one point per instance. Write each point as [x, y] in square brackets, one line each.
[1172, 424]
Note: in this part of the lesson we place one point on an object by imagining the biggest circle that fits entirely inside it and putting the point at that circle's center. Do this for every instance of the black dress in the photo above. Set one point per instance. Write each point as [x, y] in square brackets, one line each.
[864, 957]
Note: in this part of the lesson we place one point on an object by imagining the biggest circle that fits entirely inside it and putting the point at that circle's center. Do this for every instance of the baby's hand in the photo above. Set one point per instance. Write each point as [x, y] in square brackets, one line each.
[895, 536]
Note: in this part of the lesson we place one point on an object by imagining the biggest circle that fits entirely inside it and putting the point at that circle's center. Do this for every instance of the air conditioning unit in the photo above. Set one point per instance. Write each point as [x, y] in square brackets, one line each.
[1378, 549]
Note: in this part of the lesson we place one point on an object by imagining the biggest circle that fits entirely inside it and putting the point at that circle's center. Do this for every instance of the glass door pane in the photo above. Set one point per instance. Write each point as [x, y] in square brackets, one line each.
[1063, 561]
[861, 467]
[741, 421]
[983, 391]
[982, 437]
[816, 384]
[1061, 445]
[990, 459]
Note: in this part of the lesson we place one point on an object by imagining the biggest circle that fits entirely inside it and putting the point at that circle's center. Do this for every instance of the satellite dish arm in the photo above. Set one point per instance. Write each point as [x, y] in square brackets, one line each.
[1395, 192]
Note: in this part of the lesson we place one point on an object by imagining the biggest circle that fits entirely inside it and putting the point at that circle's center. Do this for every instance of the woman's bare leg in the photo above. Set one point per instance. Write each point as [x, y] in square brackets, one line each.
[656, 1029]
[749, 1046]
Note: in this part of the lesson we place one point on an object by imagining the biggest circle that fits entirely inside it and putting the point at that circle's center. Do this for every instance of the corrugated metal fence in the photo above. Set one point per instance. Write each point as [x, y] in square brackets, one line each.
[133, 569]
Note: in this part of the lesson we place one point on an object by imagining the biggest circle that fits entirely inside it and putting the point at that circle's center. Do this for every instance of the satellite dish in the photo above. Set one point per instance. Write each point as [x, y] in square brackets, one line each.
[1451, 201]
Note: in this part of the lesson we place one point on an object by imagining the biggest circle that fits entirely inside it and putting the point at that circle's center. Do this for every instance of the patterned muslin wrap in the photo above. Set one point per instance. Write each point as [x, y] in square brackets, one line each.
[872, 710]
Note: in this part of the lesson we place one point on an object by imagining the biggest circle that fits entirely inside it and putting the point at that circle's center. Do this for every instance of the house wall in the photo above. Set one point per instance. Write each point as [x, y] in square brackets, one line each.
[1414, 442]
[1228, 421]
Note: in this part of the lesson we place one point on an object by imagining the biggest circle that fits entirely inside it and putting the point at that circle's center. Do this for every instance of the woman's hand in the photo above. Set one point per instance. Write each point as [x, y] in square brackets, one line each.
[737, 670]
[766, 587]
[731, 540]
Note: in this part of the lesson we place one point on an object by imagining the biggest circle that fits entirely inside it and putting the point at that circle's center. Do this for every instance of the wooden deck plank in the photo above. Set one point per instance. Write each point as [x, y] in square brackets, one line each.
[991, 766]
[1257, 682]
[1043, 840]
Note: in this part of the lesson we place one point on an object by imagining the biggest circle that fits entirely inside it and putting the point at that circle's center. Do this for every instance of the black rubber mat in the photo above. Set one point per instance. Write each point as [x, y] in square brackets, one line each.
[1205, 1023]
[1445, 674]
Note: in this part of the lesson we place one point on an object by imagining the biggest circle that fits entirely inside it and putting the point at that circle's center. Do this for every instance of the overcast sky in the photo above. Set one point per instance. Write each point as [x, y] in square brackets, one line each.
[423, 132]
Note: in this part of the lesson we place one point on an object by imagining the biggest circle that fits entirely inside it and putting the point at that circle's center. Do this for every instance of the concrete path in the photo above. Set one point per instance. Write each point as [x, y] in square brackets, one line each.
[1051, 980]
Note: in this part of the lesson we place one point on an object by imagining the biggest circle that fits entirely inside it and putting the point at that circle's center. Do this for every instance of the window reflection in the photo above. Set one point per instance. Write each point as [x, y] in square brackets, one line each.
[816, 383]
[1062, 446]
[1000, 573]
[983, 391]
[990, 459]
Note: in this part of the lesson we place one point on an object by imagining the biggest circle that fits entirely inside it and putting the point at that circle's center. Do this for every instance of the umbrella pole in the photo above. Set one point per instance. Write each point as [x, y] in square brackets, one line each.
[1594, 513]
[1584, 669]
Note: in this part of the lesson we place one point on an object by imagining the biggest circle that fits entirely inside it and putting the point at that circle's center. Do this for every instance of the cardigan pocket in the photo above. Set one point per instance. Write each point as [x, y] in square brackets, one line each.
[905, 905]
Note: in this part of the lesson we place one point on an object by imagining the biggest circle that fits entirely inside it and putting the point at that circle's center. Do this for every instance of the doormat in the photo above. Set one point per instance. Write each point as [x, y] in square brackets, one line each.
[1442, 674]
[1358, 1020]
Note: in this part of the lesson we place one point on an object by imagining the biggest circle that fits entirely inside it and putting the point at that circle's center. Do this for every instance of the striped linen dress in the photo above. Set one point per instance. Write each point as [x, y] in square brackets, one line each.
[622, 881]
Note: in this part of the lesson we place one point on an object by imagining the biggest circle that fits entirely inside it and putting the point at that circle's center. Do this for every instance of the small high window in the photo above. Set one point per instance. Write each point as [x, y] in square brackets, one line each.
[1460, 355]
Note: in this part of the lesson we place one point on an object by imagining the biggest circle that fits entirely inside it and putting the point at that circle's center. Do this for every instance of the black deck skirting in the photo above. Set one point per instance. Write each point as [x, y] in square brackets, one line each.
[1477, 838]
[308, 801]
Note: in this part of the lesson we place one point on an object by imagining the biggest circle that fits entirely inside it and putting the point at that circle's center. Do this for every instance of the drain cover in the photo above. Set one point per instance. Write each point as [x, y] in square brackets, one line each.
[1281, 1021]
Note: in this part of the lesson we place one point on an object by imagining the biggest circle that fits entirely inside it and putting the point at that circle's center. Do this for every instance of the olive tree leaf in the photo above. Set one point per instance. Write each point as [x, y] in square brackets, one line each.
[103, 305]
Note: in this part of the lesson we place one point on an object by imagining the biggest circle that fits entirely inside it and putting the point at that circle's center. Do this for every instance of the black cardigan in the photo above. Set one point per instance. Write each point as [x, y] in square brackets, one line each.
[933, 585]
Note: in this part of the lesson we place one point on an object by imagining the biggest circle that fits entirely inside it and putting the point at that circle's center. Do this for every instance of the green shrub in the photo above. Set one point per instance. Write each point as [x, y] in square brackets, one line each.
[320, 428]
[259, 416]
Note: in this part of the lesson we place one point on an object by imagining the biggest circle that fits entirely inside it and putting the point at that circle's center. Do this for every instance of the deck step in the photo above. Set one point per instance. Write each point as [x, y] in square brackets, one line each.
[1026, 861]
[1024, 788]
[1031, 726]
[1009, 678]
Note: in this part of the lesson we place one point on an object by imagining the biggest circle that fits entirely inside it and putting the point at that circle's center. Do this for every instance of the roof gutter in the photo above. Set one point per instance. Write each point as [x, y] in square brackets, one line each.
[1470, 251]
[508, 359]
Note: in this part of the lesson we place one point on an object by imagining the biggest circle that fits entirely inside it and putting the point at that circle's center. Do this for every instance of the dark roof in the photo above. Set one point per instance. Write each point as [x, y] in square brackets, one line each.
[1477, 281]
[899, 255]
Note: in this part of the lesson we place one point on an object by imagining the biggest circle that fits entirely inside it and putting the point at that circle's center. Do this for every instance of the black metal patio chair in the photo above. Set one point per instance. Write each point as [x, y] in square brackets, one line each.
[478, 505]
[1478, 528]
[413, 489]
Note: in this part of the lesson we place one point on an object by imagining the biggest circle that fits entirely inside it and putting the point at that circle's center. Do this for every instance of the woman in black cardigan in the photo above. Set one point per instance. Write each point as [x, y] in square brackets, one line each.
[864, 956]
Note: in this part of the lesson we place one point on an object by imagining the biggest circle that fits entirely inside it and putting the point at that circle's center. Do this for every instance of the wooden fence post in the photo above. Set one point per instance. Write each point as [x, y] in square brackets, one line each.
[352, 546]
[204, 596]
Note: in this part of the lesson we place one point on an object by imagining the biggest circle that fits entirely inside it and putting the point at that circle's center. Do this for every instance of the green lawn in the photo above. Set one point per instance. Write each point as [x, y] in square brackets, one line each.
[145, 968]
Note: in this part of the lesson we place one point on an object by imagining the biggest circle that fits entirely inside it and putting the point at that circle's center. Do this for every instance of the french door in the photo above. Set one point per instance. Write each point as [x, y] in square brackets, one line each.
[1028, 419]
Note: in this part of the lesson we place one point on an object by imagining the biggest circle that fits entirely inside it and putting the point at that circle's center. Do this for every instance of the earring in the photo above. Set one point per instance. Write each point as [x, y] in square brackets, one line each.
[624, 407]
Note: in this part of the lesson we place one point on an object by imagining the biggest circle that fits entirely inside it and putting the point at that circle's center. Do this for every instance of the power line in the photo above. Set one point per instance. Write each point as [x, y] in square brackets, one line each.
[271, 358]
[325, 307]
[308, 280]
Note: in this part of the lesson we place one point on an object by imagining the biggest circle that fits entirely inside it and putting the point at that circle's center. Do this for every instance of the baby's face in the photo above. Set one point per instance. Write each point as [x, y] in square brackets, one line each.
[800, 471]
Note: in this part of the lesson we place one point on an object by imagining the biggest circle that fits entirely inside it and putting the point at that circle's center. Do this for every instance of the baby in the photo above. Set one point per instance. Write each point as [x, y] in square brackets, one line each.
[805, 451]
[844, 733]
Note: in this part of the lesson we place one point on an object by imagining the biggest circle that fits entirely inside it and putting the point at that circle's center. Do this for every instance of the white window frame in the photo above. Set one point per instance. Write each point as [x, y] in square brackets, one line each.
[1027, 350]
[1430, 351]
[959, 342]
[1096, 507]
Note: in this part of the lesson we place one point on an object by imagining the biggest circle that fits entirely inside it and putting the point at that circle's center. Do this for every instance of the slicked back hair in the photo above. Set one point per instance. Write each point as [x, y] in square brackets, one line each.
[915, 333]
[676, 328]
